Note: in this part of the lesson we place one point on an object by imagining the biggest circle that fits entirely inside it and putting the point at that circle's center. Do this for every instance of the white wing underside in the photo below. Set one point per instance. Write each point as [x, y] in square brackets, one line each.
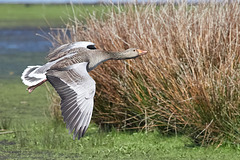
[76, 89]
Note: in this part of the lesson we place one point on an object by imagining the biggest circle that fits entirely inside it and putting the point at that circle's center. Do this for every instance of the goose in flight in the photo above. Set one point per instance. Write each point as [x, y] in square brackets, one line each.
[67, 71]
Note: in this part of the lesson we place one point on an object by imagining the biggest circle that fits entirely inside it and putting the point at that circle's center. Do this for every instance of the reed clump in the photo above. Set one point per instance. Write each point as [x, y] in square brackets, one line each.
[189, 81]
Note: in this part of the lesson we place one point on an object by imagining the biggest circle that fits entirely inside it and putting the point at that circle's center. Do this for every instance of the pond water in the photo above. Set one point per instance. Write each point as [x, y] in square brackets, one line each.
[20, 48]
[23, 40]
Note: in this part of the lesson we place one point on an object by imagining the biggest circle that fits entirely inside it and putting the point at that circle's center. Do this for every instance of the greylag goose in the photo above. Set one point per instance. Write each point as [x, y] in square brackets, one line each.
[67, 71]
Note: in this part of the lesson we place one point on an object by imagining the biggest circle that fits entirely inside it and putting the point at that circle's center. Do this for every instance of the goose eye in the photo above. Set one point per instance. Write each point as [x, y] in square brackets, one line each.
[91, 47]
[134, 50]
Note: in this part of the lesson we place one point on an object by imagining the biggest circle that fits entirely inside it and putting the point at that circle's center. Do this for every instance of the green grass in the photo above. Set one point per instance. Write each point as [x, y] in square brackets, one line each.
[17, 104]
[36, 136]
[22, 16]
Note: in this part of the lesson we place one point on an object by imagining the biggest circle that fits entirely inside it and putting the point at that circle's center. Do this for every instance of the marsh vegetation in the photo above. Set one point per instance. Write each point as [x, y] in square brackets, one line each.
[189, 81]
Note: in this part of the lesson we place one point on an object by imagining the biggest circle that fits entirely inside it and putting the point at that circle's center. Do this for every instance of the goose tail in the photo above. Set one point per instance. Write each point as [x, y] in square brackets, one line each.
[33, 75]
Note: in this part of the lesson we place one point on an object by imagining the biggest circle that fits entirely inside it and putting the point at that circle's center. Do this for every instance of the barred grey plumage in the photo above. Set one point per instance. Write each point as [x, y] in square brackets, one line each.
[67, 71]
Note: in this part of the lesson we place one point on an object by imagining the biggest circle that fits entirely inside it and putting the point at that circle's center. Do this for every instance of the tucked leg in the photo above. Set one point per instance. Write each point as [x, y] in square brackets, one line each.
[31, 88]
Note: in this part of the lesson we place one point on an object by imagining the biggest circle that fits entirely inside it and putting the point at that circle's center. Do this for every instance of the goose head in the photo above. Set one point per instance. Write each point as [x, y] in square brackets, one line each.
[130, 53]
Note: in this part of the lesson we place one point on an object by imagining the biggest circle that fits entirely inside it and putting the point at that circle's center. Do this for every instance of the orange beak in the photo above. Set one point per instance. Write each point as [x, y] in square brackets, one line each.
[141, 52]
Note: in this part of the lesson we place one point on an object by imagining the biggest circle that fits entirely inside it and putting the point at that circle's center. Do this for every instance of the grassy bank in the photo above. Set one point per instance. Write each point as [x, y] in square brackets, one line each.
[35, 136]
[32, 16]
[17, 105]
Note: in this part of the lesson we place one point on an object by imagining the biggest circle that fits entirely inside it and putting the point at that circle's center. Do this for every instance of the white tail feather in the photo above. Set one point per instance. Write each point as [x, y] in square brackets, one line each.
[30, 77]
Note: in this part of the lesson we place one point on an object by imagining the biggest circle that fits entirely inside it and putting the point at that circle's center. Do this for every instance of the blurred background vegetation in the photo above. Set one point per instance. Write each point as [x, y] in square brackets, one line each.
[43, 15]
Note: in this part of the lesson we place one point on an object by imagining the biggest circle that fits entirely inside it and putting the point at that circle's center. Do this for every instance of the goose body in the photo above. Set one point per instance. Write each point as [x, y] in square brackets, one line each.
[67, 71]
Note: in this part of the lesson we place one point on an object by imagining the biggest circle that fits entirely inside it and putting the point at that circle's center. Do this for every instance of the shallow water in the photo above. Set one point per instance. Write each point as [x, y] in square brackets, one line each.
[20, 48]
[20, 41]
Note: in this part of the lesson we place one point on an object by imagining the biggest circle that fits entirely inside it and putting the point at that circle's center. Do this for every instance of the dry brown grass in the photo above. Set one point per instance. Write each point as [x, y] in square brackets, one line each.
[188, 82]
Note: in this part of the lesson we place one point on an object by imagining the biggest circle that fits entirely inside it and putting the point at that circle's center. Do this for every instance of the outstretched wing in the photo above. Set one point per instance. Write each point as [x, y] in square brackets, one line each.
[70, 48]
[76, 89]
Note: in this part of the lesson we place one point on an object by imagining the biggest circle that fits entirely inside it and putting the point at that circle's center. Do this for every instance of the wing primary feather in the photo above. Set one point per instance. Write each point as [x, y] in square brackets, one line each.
[85, 116]
[64, 101]
[68, 105]
[79, 121]
[65, 90]
[67, 95]
[75, 105]
[68, 113]
[76, 89]
[70, 126]
[87, 122]
[79, 133]
[71, 118]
